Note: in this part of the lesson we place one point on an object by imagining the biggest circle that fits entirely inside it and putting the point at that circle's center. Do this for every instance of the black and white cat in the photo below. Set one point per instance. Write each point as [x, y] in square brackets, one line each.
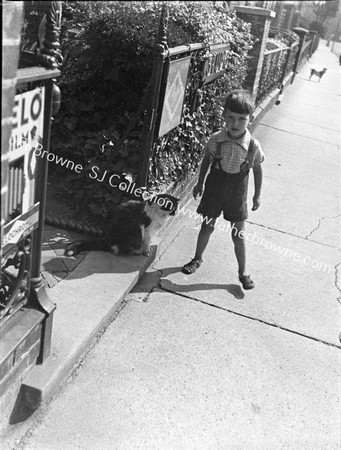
[132, 227]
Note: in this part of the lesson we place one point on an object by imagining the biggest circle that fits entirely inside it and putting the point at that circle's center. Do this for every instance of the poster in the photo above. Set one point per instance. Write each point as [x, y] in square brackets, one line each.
[174, 95]
[27, 132]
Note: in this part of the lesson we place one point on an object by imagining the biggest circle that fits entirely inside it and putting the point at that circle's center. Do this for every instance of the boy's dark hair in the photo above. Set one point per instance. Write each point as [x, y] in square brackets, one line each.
[239, 102]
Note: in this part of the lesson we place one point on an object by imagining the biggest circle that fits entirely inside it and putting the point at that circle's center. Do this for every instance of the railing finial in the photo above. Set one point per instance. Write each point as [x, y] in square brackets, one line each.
[49, 54]
[161, 39]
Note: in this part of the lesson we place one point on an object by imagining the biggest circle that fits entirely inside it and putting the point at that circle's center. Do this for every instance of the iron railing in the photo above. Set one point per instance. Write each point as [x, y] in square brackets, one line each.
[23, 187]
[172, 155]
[305, 54]
[277, 65]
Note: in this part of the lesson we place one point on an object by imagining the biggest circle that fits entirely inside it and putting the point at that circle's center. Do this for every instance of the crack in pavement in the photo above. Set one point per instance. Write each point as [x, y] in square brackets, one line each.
[306, 122]
[293, 234]
[336, 281]
[295, 134]
[157, 286]
[256, 319]
[319, 224]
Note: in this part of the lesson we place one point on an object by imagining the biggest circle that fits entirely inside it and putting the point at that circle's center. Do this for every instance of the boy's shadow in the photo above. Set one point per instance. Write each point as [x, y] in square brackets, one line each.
[234, 289]
[122, 265]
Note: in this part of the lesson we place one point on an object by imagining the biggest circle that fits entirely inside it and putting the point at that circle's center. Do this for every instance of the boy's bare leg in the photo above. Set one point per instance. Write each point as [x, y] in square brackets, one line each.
[203, 239]
[239, 245]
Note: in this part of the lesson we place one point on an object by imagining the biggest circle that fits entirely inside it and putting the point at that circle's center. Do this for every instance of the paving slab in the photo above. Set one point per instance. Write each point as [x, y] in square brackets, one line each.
[50, 262]
[173, 373]
[284, 146]
[55, 239]
[317, 114]
[87, 300]
[312, 93]
[318, 133]
[312, 105]
[301, 184]
[292, 208]
[301, 188]
[290, 292]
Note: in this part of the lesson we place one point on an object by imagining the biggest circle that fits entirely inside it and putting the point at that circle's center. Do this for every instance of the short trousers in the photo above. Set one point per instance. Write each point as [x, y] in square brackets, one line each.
[225, 193]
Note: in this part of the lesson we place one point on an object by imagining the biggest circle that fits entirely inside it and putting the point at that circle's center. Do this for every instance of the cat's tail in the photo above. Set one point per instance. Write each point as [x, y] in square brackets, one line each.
[80, 246]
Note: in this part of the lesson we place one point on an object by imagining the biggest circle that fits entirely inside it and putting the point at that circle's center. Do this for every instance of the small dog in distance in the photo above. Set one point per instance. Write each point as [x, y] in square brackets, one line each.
[318, 74]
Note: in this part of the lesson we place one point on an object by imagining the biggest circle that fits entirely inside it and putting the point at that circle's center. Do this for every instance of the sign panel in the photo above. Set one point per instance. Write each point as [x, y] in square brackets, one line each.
[28, 121]
[27, 133]
[23, 224]
[174, 95]
[217, 62]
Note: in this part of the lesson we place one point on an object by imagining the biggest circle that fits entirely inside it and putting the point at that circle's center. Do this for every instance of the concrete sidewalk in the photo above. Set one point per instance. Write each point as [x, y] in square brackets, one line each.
[195, 362]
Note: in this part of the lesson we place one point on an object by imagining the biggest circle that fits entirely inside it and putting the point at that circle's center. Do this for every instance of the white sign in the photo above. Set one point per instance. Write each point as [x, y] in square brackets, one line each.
[27, 133]
[28, 121]
[24, 224]
[174, 95]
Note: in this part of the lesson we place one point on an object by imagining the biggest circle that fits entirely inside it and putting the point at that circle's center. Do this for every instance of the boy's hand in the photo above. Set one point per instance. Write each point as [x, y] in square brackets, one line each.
[197, 191]
[256, 203]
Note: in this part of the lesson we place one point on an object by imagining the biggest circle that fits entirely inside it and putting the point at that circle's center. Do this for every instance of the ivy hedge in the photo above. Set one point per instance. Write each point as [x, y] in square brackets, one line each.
[108, 52]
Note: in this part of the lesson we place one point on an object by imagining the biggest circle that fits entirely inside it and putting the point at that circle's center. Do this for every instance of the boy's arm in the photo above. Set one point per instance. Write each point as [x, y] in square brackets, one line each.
[202, 174]
[258, 176]
[203, 170]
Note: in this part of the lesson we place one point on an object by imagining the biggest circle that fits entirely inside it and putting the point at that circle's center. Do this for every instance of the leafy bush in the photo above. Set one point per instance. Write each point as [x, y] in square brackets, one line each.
[108, 52]
[177, 155]
[280, 38]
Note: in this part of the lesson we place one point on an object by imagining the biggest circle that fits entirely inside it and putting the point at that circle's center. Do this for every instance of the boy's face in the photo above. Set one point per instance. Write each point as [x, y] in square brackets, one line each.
[236, 123]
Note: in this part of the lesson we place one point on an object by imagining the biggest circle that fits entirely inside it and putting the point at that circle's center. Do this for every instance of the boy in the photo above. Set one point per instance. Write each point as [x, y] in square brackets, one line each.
[231, 153]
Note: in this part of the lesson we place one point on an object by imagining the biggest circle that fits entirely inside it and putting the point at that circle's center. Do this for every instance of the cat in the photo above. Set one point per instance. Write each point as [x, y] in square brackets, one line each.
[131, 228]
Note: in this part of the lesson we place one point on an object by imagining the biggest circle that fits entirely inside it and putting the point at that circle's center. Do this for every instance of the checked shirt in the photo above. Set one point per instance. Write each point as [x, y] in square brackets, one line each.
[233, 152]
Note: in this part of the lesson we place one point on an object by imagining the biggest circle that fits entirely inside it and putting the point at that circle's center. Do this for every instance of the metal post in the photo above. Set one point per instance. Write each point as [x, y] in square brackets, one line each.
[302, 32]
[153, 97]
[38, 294]
[260, 20]
[41, 189]
[312, 43]
[336, 34]
[280, 96]
[50, 57]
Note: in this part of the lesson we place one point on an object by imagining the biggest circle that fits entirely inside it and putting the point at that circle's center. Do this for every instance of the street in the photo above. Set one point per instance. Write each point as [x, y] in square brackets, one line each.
[193, 362]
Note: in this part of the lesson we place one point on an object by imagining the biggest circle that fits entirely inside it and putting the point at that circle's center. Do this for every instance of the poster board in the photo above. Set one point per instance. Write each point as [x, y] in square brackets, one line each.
[27, 133]
[174, 94]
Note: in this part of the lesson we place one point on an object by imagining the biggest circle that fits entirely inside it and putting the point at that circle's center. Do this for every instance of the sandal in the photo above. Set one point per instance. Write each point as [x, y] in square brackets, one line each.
[191, 267]
[247, 282]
